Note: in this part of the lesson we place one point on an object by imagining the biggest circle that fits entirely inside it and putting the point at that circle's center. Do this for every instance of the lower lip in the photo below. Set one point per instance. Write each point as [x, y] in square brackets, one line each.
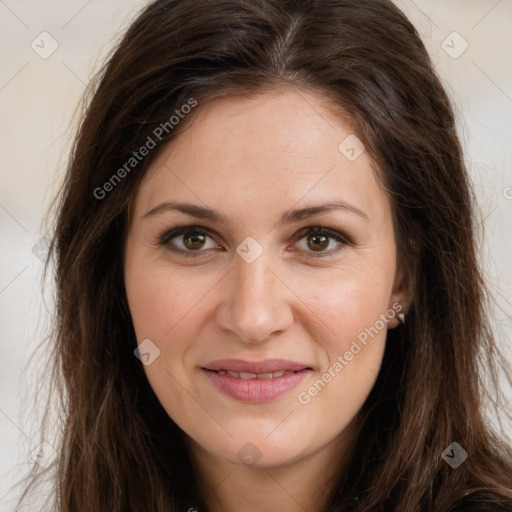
[255, 390]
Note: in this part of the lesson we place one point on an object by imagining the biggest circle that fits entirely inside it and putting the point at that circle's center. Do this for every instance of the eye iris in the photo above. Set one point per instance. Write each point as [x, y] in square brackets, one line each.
[323, 244]
[194, 238]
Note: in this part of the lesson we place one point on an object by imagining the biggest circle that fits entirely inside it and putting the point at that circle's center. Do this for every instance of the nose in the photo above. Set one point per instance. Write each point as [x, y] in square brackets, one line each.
[257, 304]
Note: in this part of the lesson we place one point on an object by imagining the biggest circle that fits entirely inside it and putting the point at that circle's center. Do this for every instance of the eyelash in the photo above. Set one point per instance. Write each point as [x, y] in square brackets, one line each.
[321, 230]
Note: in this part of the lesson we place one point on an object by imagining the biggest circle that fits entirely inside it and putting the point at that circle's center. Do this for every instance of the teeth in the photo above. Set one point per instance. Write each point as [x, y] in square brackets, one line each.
[265, 375]
[248, 375]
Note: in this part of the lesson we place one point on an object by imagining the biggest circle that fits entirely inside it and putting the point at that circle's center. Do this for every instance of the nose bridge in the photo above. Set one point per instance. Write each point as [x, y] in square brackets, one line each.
[256, 305]
[254, 281]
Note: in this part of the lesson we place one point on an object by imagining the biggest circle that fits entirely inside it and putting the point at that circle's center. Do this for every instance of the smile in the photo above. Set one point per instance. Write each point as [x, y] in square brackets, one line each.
[247, 375]
[253, 387]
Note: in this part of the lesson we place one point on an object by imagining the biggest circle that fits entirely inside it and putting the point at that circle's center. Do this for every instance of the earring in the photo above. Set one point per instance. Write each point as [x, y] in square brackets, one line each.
[401, 317]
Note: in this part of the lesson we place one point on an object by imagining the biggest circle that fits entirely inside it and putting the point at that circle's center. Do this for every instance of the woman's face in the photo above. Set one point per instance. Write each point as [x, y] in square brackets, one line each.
[245, 293]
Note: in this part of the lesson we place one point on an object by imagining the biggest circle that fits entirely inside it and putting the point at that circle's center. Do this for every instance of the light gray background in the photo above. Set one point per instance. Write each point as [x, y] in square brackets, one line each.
[37, 100]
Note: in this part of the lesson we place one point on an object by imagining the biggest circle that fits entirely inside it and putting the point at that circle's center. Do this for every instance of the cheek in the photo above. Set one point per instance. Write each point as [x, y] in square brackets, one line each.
[167, 309]
[163, 300]
[348, 322]
[169, 306]
[344, 304]
[352, 340]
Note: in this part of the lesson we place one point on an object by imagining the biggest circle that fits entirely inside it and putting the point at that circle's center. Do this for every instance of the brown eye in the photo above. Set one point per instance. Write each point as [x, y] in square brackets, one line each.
[187, 240]
[318, 240]
[193, 241]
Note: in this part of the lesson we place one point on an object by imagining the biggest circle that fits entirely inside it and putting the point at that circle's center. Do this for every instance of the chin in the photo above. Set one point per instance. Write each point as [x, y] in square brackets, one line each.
[260, 450]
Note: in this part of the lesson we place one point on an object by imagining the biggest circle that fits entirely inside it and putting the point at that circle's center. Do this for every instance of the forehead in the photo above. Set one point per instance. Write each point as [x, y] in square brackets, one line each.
[263, 153]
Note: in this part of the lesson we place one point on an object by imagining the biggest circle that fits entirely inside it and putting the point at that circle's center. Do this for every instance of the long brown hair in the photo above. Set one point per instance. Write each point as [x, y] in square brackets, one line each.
[118, 449]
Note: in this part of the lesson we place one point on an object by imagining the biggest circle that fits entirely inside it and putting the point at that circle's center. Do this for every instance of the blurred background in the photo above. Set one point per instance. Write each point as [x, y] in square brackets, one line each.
[48, 52]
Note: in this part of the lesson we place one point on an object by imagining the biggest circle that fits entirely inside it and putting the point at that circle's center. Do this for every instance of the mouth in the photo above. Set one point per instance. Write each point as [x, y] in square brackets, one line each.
[262, 367]
[249, 375]
[255, 382]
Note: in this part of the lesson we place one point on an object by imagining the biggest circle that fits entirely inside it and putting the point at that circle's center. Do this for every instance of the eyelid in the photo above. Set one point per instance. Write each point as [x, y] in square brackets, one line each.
[180, 229]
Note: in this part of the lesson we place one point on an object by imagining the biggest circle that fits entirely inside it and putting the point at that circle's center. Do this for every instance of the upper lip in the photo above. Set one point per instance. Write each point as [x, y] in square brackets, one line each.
[263, 366]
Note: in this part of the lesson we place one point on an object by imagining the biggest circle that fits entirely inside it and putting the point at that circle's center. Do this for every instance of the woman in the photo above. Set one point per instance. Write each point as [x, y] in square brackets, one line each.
[268, 291]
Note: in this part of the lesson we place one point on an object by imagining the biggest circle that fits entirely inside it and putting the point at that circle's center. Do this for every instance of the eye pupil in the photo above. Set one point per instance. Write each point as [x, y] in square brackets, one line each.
[194, 239]
[323, 244]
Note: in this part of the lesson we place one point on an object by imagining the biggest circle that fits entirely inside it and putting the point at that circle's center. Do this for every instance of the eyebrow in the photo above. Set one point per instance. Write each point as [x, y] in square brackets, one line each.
[288, 217]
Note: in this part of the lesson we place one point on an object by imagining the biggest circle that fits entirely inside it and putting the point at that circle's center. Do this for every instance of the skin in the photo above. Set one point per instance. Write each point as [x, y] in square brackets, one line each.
[252, 159]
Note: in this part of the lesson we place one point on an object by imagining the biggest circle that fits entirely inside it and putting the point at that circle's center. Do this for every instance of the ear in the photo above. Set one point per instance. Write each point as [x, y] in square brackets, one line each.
[401, 298]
